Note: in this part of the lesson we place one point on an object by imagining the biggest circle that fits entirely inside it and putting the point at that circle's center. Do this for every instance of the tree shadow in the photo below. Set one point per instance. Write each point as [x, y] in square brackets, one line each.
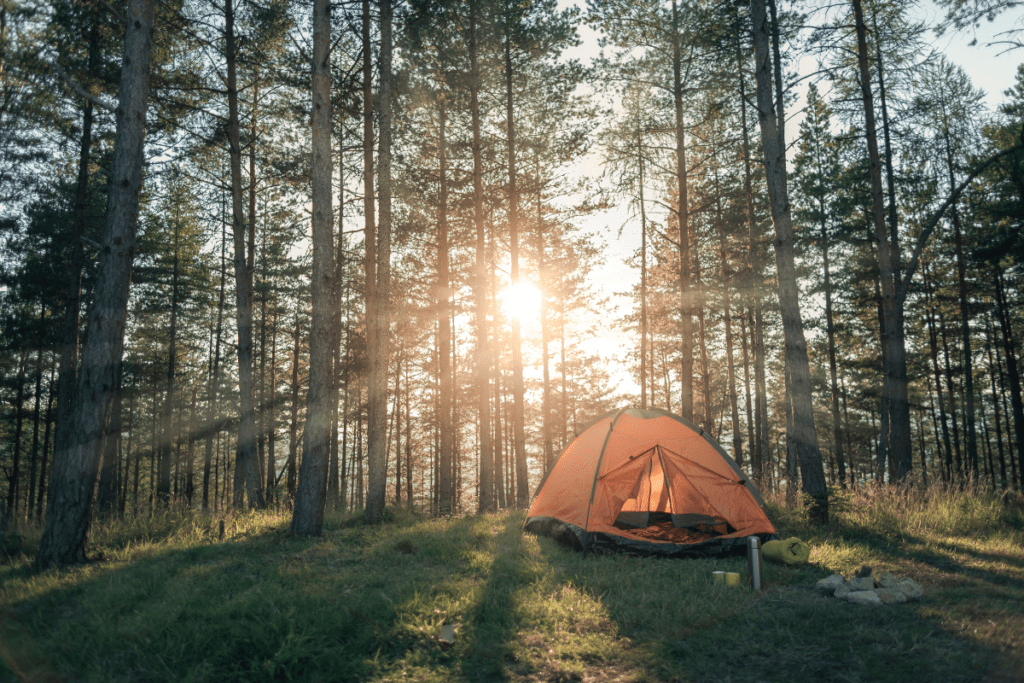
[361, 603]
[493, 623]
[791, 632]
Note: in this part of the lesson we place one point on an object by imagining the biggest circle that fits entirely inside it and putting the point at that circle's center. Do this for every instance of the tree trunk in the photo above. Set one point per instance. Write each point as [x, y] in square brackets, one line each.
[74, 472]
[164, 456]
[211, 405]
[310, 498]
[446, 437]
[894, 384]
[957, 454]
[483, 355]
[759, 442]
[293, 425]
[379, 345]
[106, 496]
[247, 473]
[804, 437]
[43, 480]
[737, 435]
[36, 419]
[643, 273]
[70, 336]
[934, 352]
[990, 342]
[1012, 371]
[683, 215]
[14, 475]
[965, 325]
[518, 390]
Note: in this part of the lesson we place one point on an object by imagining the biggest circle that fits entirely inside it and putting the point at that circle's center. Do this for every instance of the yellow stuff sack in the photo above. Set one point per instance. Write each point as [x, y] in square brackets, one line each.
[791, 551]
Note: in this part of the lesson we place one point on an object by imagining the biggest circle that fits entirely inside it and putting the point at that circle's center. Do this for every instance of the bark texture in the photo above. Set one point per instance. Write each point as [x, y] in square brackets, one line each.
[804, 436]
[75, 465]
[311, 496]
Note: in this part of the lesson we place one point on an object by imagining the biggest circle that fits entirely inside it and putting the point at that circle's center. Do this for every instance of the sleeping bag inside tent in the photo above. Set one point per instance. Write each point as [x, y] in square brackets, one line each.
[647, 482]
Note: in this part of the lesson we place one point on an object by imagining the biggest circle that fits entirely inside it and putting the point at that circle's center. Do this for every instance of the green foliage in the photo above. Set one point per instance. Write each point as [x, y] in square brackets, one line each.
[171, 601]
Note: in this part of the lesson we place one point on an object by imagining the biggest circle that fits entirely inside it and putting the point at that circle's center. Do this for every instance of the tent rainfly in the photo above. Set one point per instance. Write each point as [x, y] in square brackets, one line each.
[647, 482]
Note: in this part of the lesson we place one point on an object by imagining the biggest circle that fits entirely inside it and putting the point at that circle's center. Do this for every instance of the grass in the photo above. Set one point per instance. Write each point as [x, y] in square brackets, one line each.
[171, 601]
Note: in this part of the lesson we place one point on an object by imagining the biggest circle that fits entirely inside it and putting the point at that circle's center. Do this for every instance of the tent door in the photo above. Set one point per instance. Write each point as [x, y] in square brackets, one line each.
[636, 512]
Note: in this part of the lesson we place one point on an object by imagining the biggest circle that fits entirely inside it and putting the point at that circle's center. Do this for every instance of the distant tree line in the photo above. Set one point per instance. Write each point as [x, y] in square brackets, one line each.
[257, 254]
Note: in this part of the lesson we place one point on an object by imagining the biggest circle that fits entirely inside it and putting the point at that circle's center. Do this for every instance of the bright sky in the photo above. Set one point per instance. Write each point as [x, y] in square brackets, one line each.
[992, 69]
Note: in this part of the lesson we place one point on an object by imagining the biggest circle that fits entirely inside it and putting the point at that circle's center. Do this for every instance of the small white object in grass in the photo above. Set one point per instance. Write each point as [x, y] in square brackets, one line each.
[718, 577]
[447, 636]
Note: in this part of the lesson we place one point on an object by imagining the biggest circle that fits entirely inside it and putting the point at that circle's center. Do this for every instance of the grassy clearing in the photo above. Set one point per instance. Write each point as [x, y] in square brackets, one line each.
[173, 602]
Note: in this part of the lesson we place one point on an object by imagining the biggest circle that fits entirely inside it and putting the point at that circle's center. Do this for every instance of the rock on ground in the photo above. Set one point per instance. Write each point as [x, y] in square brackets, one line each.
[865, 583]
[891, 595]
[911, 589]
[829, 585]
[887, 580]
[864, 598]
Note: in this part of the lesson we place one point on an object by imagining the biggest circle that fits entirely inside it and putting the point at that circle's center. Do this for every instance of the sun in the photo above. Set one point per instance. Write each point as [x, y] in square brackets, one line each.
[521, 301]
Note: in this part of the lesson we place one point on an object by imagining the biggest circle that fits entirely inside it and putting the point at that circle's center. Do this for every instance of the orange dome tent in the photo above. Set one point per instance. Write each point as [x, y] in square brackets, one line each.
[652, 483]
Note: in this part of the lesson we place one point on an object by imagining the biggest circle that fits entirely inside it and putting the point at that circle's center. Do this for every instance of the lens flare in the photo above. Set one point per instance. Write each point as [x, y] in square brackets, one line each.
[521, 301]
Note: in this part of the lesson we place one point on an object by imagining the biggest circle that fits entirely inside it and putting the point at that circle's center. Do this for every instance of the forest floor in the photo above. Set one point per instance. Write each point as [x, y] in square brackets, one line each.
[169, 600]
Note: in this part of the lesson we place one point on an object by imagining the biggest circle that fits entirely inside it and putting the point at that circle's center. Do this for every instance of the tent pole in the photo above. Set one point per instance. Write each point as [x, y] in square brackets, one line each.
[593, 487]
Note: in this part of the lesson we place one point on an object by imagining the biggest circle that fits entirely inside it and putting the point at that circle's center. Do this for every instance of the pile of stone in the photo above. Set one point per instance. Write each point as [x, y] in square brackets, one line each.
[883, 589]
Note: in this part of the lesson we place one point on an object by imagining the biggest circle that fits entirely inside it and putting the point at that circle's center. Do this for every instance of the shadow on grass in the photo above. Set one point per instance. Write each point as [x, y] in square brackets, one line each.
[493, 622]
[916, 549]
[362, 603]
[696, 632]
[367, 603]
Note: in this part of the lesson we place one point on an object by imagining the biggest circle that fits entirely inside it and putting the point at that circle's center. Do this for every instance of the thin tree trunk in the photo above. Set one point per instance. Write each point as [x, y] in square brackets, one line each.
[483, 342]
[746, 384]
[247, 472]
[164, 456]
[990, 342]
[518, 389]
[293, 427]
[643, 273]
[894, 384]
[14, 476]
[190, 462]
[759, 444]
[446, 437]
[311, 496]
[74, 472]
[379, 344]
[211, 405]
[1012, 371]
[934, 352]
[36, 418]
[67, 373]
[804, 435]
[737, 435]
[965, 325]
[958, 459]
[43, 479]
[547, 419]
[333, 488]
[106, 496]
[682, 214]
